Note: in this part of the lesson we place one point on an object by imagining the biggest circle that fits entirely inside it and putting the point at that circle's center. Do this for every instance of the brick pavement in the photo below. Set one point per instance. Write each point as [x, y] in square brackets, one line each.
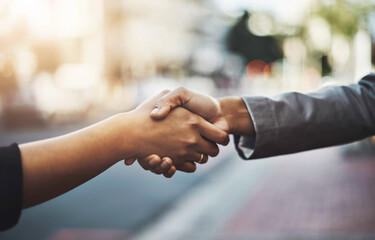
[313, 195]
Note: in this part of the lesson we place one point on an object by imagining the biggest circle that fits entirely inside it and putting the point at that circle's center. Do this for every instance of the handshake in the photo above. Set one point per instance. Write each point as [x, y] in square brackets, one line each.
[175, 130]
[169, 132]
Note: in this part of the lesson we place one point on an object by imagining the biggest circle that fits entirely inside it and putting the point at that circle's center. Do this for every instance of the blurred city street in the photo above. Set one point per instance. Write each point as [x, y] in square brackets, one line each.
[66, 64]
[314, 195]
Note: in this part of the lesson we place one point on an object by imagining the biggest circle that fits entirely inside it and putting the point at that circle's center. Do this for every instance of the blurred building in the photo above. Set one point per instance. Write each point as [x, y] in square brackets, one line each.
[73, 55]
[67, 59]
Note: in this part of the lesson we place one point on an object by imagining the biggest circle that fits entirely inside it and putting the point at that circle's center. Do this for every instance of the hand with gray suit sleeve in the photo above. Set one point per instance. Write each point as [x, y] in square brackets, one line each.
[286, 123]
[294, 122]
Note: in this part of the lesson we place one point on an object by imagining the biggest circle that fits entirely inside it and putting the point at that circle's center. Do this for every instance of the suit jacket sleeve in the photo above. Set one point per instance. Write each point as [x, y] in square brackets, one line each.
[294, 122]
[10, 186]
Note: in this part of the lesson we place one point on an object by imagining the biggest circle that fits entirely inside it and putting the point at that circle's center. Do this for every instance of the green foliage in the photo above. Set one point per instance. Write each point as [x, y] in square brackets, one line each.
[345, 16]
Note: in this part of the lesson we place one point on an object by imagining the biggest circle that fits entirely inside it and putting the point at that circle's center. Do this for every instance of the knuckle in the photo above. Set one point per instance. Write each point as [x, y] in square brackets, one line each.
[183, 152]
[181, 90]
[192, 141]
[193, 121]
[223, 138]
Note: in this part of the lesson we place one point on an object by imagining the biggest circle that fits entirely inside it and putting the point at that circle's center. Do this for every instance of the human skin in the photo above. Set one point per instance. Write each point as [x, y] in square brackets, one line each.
[54, 166]
[229, 114]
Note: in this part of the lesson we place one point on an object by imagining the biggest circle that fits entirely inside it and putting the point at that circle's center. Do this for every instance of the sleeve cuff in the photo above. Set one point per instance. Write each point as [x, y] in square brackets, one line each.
[11, 188]
[265, 125]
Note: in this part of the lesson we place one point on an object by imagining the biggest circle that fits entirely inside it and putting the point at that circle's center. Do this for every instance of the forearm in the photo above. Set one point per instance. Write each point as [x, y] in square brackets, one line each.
[54, 166]
[237, 116]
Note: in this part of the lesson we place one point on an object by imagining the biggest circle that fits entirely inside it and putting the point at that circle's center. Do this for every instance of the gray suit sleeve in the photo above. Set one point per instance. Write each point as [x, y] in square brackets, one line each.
[294, 122]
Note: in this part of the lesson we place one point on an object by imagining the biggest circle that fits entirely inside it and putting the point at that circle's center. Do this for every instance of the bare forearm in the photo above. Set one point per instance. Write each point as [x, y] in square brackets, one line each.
[55, 166]
[237, 115]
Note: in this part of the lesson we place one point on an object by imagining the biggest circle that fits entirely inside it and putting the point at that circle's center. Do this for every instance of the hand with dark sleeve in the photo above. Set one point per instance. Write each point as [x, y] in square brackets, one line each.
[10, 186]
[286, 123]
[36, 172]
[294, 122]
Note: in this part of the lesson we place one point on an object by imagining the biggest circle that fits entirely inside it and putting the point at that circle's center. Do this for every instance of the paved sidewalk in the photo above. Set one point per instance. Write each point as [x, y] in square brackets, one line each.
[312, 195]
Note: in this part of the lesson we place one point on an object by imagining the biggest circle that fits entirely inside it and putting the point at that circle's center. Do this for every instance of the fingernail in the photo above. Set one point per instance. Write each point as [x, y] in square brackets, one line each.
[155, 111]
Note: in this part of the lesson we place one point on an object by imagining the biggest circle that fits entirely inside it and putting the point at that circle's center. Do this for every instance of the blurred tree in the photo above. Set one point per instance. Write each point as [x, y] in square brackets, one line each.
[251, 47]
[346, 17]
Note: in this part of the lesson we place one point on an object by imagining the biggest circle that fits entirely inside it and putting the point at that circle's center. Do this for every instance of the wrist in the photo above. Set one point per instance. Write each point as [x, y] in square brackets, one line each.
[235, 111]
[124, 140]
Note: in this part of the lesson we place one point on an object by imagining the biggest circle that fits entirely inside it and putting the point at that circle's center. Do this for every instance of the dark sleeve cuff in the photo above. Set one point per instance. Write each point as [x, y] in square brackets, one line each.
[265, 126]
[11, 187]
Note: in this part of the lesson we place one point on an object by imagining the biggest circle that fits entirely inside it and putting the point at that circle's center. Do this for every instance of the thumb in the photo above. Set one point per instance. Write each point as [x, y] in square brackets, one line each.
[177, 98]
[129, 161]
[160, 111]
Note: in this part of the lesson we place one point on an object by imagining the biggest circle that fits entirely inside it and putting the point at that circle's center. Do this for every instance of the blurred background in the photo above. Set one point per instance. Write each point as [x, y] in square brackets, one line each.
[67, 63]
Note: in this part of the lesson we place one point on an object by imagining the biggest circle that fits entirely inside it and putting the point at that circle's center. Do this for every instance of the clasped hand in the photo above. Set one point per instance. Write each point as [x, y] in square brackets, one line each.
[175, 138]
[187, 127]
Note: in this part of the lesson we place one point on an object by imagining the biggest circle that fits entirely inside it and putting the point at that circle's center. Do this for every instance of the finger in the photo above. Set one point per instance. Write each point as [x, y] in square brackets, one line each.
[200, 158]
[170, 172]
[178, 97]
[166, 164]
[129, 161]
[162, 166]
[204, 159]
[207, 148]
[149, 162]
[160, 112]
[157, 170]
[188, 167]
[151, 102]
[212, 133]
[155, 161]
